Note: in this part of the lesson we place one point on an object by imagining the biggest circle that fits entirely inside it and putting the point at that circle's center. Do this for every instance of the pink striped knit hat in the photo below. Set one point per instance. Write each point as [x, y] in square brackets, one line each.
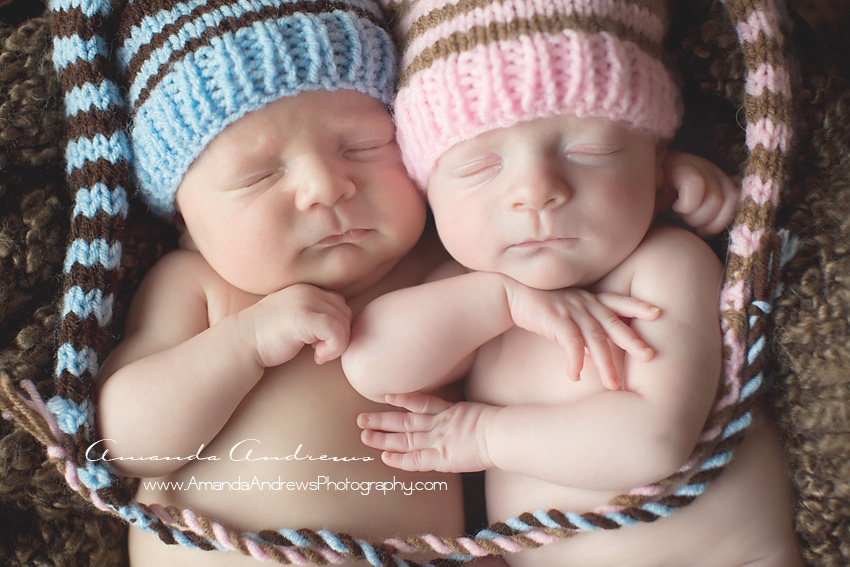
[469, 66]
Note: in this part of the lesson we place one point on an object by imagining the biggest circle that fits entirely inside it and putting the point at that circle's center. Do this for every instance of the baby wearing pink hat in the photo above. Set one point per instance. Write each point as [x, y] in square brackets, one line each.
[538, 130]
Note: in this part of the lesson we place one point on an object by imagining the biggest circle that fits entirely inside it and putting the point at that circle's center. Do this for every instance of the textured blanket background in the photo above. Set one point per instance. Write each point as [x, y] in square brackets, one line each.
[43, 523]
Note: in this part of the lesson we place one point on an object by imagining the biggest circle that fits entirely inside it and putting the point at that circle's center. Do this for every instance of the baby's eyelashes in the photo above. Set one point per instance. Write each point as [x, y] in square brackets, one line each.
[592, 156]
[478, 168]
[261, 179]
[371, 150]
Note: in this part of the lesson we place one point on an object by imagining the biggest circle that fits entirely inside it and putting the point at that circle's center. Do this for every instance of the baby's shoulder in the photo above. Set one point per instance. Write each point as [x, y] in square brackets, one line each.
[672, 258]
[181, 275]
[674, 246]
[180, 268]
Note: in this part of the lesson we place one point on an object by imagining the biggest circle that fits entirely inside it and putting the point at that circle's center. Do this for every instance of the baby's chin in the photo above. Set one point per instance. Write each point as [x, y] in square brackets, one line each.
[547, 277]
[544, 282]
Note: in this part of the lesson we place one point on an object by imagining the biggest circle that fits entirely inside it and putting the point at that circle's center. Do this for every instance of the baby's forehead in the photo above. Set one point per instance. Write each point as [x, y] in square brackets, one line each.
[340, 115]
[561, 128]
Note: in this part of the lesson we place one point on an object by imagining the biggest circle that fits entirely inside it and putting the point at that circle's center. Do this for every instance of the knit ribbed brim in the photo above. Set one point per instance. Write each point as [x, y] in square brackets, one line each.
[477, 65]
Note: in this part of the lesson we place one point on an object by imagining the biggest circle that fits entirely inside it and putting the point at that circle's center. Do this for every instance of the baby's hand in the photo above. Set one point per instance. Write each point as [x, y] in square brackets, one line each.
[577, 319]
[435, 436]
[299, 315]
[707, 197]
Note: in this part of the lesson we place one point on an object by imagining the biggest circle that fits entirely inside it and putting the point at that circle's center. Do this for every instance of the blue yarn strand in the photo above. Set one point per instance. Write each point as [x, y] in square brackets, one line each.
[369, 552]
[545, 519]
[71, 50]
[89, 8]
[86, 304]
[98, 198]
[98, 251]
[113, 149]
[333, 542]
[76, 362]
[88, 97]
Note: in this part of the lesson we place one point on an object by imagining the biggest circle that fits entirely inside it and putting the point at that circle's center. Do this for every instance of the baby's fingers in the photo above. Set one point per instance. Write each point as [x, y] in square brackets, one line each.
[629, 307]
[727, 208]
[600, 352]
[621, 335]
[395, 421]
[689, 182]
[624, 337]
[330, 336]
[396, 442]
[572, 339]
[416, 461]
[418, 402]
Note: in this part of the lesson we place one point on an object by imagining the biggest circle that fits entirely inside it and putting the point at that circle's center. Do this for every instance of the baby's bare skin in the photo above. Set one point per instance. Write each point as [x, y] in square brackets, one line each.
[293, 218]
[745, 513]
[744, 518]
[297, 404]
[570, 229]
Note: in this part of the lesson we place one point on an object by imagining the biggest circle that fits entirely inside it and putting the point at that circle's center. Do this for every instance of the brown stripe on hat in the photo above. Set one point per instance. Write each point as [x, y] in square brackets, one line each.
[766, 163]
[73, 22]
[459, 42]
[100, 170]
[93, 122]
[83, 72]
[764, 50]
[160, 38]
[767, 105]
[451, 11]
[90, 229]
[135, 12]
[229, 25]
[741, 11]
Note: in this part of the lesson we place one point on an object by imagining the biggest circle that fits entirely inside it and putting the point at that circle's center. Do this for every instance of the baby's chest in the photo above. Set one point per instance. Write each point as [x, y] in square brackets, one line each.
[520, 367]
[523, 368]
[313, 403]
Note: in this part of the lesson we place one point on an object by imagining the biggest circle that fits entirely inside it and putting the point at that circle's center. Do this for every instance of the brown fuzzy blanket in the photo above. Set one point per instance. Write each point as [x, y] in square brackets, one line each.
[42, 522]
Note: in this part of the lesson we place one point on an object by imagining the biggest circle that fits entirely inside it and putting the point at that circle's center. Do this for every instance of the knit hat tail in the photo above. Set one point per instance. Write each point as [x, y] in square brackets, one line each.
[469, 66]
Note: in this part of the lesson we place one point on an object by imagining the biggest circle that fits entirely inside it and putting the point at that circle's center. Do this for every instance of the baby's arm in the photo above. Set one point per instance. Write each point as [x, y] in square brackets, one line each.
[419, 338]
[174, 381]
[606, 441]
[701, 193]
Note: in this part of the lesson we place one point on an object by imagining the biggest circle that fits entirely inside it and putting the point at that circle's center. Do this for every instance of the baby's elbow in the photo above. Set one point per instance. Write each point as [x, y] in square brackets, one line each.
[667, 451]
[357, 370]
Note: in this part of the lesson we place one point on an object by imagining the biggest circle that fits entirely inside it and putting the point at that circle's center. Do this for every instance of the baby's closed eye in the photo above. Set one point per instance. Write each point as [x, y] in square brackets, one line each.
[478, 169]
[371, 150]
[592, 156]
[262, 178]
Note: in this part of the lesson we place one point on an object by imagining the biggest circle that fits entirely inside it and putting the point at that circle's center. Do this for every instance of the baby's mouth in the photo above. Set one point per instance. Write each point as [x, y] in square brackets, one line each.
[349, 236]
[554, 242]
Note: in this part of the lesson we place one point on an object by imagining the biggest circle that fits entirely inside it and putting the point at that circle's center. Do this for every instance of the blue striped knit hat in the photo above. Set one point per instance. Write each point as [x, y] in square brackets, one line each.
[146, 85]
[190, 68]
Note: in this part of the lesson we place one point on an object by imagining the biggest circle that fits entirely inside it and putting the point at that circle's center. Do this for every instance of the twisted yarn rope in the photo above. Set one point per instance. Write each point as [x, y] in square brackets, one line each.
[97, 149]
